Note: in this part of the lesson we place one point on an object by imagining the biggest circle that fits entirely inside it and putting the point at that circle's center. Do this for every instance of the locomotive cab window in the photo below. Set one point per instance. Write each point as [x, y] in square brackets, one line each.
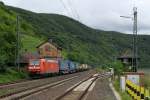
[34, 62]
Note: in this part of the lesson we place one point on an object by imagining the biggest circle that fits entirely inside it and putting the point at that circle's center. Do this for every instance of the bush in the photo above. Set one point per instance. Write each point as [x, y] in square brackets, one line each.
[146, 81]
[124, 95]
[118, 67]
[12, 74]
[7, 49]
[3, 59]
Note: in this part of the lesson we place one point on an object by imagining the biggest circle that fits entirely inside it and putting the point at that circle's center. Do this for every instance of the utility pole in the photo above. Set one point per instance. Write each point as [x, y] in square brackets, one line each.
[135, 48]
[134, 40]
[18, 44]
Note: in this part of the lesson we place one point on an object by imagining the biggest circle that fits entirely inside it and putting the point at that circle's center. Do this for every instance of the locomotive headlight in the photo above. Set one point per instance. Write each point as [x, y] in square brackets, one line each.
[34, 67]
[30, 67]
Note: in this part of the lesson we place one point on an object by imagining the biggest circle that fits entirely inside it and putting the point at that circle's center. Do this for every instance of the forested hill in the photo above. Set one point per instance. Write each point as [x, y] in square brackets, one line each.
[79, 42]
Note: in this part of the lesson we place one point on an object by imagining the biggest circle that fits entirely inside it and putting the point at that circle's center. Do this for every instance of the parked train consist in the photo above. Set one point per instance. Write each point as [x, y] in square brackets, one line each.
[52, 66]
[50, 61]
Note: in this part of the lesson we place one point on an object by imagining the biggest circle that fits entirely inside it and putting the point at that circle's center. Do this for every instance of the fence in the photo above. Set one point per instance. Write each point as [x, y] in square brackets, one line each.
[137, 92]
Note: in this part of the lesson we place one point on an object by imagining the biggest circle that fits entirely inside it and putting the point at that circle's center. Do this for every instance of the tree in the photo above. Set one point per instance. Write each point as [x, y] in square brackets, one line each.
[3, 59]
[118, 67]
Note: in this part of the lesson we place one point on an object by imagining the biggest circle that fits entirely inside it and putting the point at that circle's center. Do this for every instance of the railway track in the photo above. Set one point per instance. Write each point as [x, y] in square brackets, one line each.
[10, 89]
[36, 87]
[74, 92]
[22, 81]
[21, 94]
[3, 85]
[14, 82]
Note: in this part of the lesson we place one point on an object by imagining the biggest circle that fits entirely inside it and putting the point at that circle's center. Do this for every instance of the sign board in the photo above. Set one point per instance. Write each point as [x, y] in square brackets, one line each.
[134, 78]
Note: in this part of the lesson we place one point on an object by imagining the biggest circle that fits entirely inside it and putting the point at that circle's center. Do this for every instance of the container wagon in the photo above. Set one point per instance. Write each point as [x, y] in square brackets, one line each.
[64, 66]
[77, 66]
[84, 66]
[72, 67]
[43, 66]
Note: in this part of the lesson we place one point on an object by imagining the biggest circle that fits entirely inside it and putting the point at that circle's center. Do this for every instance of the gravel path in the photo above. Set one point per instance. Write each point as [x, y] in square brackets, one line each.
[101, 91]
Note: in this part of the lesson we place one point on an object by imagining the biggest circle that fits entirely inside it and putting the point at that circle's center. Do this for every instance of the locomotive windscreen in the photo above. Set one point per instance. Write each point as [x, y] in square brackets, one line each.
[34, 62]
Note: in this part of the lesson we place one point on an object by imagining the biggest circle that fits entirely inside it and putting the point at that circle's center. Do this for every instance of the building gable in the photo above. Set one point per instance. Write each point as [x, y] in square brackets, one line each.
[48, 49]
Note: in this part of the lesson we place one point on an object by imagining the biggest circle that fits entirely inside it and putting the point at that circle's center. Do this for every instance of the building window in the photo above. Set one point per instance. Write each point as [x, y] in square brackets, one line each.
[47, 48]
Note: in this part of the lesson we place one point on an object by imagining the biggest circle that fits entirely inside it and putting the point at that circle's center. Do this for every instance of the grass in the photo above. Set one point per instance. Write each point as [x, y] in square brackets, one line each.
[11, 75]
[99, 69]
[145, 80]
[124, 95]
[30, 43]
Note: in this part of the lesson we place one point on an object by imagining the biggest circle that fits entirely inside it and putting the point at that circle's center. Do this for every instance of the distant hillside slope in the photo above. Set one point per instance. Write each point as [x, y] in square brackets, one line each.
[81, 43]
[8, 35]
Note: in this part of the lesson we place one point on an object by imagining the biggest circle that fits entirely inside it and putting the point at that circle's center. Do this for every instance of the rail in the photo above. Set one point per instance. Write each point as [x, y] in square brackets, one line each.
[21, 94]
[81, 96]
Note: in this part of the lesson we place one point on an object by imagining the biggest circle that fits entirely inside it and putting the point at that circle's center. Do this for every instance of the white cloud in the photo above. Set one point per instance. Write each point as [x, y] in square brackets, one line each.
[100, 14]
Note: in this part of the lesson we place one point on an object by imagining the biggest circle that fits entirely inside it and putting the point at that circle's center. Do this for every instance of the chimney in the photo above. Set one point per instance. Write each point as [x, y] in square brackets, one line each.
[50, 40]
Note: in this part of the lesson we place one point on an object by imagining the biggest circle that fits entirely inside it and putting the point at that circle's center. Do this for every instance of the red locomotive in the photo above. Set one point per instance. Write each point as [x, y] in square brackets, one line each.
[43, 66]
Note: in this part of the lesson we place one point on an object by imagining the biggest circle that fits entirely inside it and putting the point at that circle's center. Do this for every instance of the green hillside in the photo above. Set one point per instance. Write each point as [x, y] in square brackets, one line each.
[79, 42]
[8, 35]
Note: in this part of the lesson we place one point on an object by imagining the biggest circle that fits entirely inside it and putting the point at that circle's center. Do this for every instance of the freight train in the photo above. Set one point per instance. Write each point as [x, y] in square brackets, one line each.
[54, 66]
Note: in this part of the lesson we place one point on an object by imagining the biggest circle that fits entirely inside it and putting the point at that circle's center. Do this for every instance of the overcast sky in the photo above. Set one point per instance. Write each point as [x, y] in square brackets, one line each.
[99, 14]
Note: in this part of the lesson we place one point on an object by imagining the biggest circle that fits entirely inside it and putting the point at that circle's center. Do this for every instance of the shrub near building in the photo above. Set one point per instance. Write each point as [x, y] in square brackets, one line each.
[11, 75]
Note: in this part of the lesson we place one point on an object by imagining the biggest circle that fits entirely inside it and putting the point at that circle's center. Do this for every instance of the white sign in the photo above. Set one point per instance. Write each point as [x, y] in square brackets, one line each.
[134, 78]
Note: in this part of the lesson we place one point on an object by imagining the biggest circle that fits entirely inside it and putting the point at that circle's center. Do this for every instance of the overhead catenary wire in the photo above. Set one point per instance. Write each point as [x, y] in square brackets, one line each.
[74, 11]
[65, 7]
[69, 7]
